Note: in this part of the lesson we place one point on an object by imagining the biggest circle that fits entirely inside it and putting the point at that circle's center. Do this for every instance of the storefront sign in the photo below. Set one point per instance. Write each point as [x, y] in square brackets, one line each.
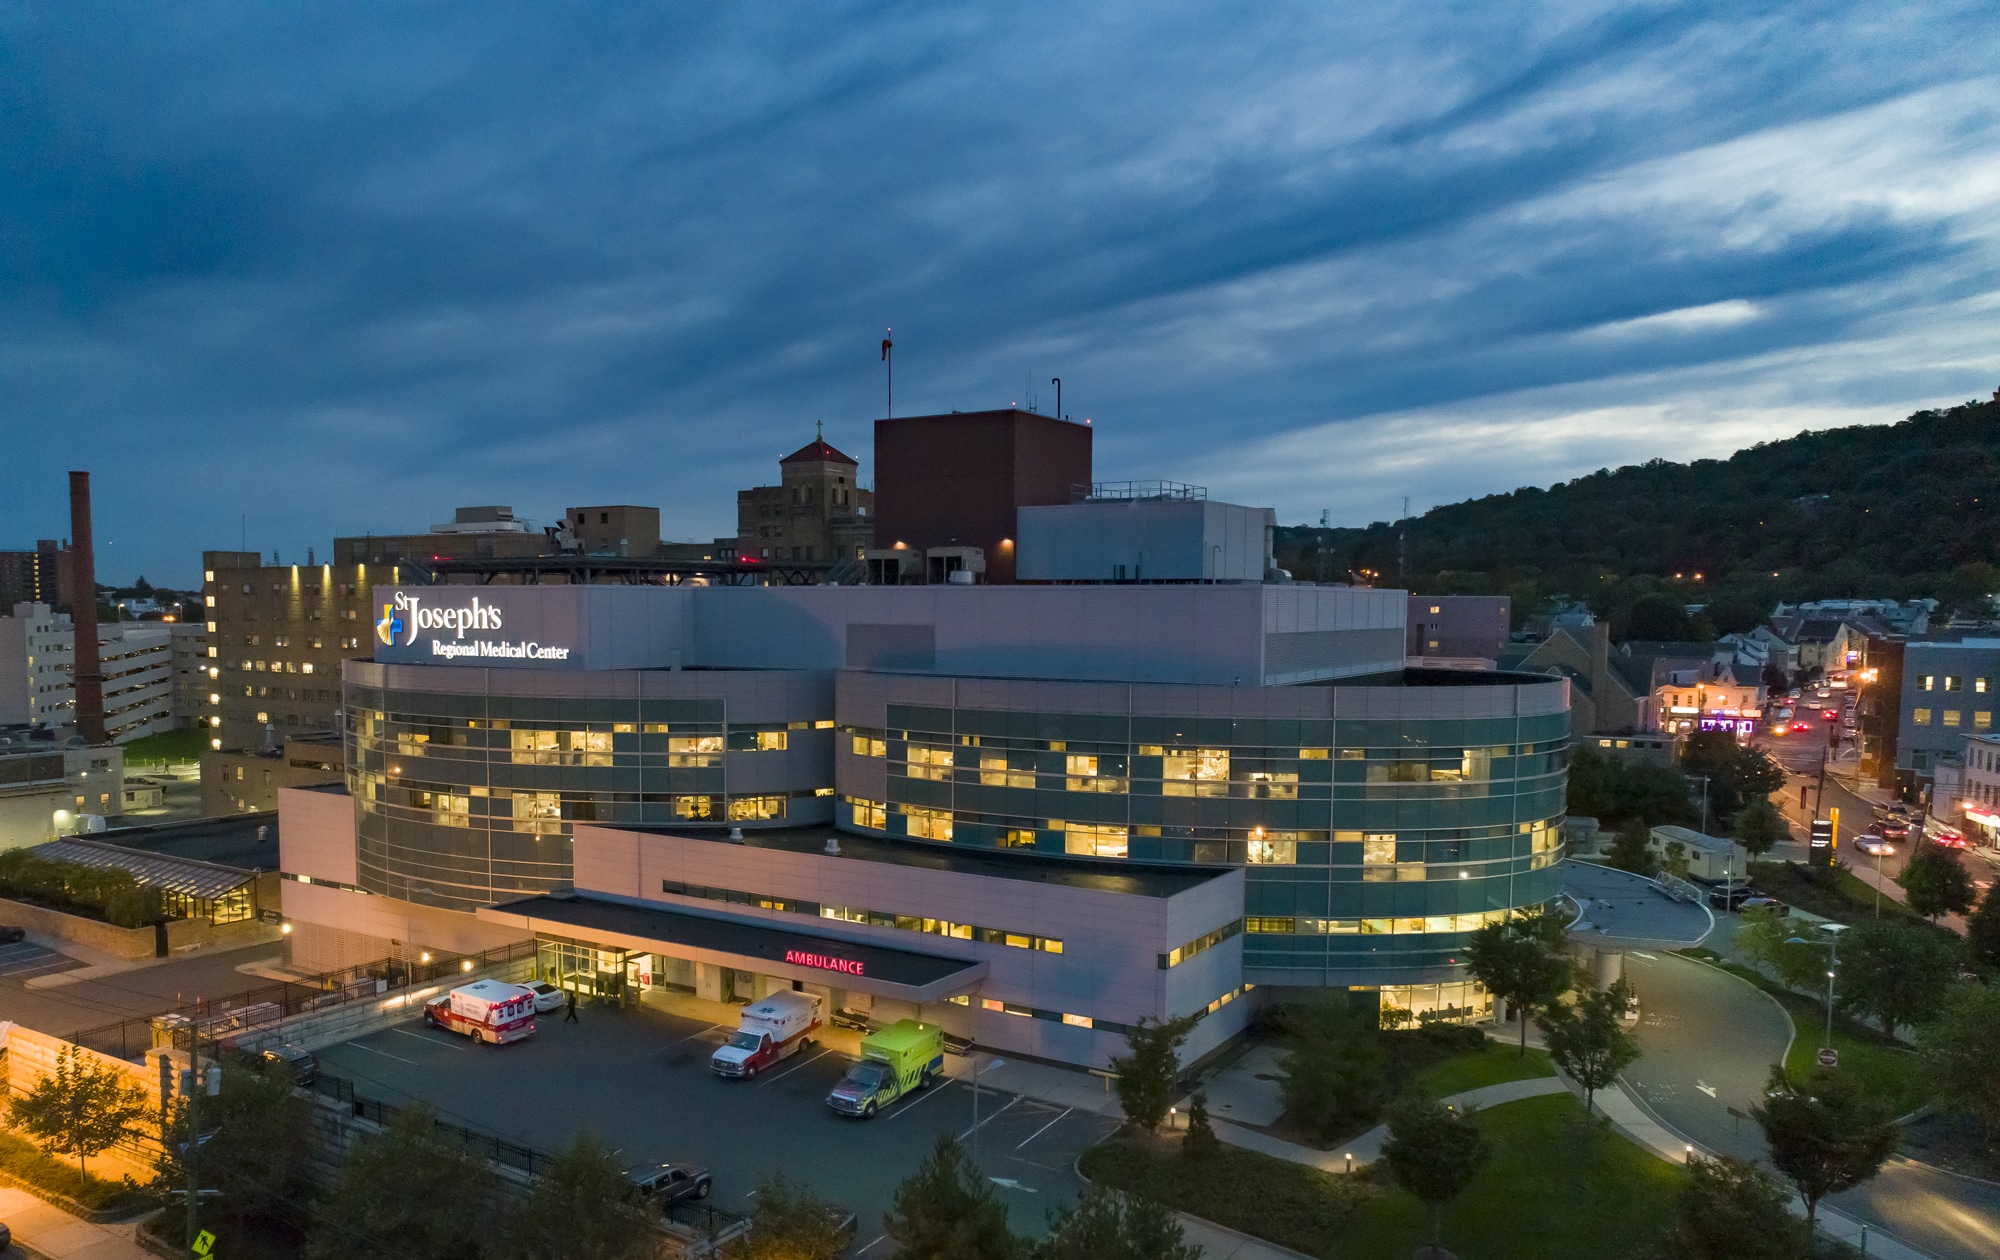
[825, 962]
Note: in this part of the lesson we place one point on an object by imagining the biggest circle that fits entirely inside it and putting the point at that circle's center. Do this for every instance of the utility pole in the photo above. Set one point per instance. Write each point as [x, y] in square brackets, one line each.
[1403, 545]
[193, 1131]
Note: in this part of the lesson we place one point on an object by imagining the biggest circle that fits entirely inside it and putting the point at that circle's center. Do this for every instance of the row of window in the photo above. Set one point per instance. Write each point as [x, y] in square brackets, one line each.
[1174, 958]
[545, 813]
[1383, 858]
[1086, 1021]
[1267, 925]
[1929, 682]
[1982, 719]
[872, 918]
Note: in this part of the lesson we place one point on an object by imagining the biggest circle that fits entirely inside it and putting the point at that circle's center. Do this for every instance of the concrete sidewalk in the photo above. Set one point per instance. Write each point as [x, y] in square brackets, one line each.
[48, 1229]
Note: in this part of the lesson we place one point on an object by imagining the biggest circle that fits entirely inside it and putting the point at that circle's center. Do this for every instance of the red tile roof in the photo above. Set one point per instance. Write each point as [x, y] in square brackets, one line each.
[816, 452]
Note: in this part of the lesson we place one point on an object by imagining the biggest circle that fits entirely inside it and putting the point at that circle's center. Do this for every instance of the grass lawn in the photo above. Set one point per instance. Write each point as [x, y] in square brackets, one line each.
[1555, 1184]
[1494, 1064]
[1891, 1070]
[23, 1159]
[1849, 901]
[165, 748]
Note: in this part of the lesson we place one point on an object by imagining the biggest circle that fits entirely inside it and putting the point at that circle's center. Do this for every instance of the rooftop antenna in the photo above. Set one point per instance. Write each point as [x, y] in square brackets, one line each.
[889, 372]
[1057, 382]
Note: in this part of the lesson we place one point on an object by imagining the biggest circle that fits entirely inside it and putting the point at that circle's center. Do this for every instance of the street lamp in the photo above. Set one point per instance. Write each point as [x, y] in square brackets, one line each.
[1832, 943]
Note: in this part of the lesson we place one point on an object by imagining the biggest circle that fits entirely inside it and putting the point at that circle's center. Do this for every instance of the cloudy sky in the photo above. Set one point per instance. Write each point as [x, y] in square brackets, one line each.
[283, 272]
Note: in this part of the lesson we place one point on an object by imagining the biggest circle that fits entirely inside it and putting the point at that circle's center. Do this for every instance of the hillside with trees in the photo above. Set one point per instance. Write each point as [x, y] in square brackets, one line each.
[1903, 511]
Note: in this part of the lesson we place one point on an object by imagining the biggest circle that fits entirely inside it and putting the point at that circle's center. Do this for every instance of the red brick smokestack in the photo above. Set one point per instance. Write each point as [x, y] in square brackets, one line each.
[89, 675]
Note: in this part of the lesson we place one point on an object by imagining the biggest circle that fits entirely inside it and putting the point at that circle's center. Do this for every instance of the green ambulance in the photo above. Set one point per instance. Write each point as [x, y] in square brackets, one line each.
[905, 1056]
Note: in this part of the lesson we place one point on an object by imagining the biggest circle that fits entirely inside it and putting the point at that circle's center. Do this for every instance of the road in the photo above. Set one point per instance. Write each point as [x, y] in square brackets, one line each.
[1708, 1041]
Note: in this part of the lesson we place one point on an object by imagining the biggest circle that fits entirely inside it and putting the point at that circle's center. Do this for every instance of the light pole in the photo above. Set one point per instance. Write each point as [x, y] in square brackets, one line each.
[1832, 943]
[977, 1072]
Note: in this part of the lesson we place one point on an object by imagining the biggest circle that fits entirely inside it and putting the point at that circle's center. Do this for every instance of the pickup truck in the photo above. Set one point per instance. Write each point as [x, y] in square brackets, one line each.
[905, 1056]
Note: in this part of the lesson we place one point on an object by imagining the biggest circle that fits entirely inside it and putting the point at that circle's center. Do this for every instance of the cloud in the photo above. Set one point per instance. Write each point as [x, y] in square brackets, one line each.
[342, 268]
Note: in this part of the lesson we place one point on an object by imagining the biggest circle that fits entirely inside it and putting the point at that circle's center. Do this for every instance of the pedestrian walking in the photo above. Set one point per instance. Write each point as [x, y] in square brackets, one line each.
[569, 1008]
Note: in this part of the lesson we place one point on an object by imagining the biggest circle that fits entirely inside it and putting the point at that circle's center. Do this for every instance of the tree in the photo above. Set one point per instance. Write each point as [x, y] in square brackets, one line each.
[1676, 860]
[1827, 1136]
[1333, 1076]
[1767, 937]
[1730, 1210]
[946, 1211]
[1147, 1075]
[1760, 827]
[80, 1109]
[406, 1191]
[1935, 883]
[1106, 1225]
[1199, 1142]
[1434, 1153]
[790, 1222]
[1895, 972]
[1957, 1049]
[1588, 1039]
[1520, 961]
[583, 1206]
[1613, 790]
[1737, 774]
[1982, 928]
[1629, 851]
[256, 1150]
[1656, 618]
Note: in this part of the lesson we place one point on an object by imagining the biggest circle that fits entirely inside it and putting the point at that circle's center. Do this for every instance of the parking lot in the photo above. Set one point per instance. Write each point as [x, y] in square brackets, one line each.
[640, 1080]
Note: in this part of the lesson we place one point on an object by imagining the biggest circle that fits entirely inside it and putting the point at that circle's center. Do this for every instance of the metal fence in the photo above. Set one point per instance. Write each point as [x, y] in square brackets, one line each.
[218, 1020]
[485, 1145]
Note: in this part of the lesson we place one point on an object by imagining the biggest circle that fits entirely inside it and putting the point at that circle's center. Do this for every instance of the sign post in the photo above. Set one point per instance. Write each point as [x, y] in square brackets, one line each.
[1828, 1057]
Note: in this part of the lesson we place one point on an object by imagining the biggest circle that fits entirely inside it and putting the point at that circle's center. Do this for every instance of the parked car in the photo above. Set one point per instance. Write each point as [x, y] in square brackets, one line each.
[12, 935]
[6, 1237]
[1948, 839]
[304, 1067]
[1766, 903]
[1893, 828]
[1801, 726]
[1733, 898]
[668, 1184]
[547, 997]
[1875, 846]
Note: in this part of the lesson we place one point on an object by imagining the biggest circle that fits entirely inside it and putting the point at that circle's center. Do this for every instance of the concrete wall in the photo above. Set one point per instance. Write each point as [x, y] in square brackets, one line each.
[316, 835]
[1151, 540]
[1108, 968]
[131, 944]
[338, 927]
[33, 1055]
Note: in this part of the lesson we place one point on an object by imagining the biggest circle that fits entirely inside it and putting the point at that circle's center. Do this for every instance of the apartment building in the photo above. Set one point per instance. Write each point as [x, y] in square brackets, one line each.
[37, 673]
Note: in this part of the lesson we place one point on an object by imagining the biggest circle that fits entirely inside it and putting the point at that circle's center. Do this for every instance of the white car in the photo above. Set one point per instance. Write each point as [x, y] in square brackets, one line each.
[547, 997]
[1874, 846]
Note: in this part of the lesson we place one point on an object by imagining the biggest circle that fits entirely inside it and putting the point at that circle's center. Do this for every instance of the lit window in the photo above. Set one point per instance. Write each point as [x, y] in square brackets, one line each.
[693, 807]
[1095, 840]
[538, 813]
[864, 746]
[756, 808]
[1979, 685]
[929, 763]
[1920, 717]
[1983, 720]
[1314, 754]
[1924, 683]
[1951, 717]
[771, 741]
[1200, 772]
[929, 824]
[1276, 848]
[870, 814]
[1078, 1021]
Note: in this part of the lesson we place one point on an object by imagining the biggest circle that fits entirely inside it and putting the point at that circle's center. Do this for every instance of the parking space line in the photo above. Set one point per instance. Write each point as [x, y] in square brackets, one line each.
[871, 1243]
[912, 1105]
[699, 1032]
[384, 1053]
[429, 1041]
[824, 1051]
[990, 1119]
[27, 967]
[1045, 1128]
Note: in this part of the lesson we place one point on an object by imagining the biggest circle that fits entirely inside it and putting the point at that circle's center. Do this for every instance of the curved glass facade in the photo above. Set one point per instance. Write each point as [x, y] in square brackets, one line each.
[1373, 845]
[466, 784]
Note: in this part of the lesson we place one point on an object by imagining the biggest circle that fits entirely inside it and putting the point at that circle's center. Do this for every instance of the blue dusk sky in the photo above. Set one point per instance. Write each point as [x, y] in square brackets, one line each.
[282, 272]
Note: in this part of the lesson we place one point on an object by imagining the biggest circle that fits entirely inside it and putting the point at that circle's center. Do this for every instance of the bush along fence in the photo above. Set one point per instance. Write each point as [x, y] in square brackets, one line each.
[247, 1019]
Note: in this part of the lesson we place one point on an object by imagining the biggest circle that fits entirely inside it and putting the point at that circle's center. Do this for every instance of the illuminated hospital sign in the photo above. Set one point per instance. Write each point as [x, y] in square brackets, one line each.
[825, 962]
[447, 626]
